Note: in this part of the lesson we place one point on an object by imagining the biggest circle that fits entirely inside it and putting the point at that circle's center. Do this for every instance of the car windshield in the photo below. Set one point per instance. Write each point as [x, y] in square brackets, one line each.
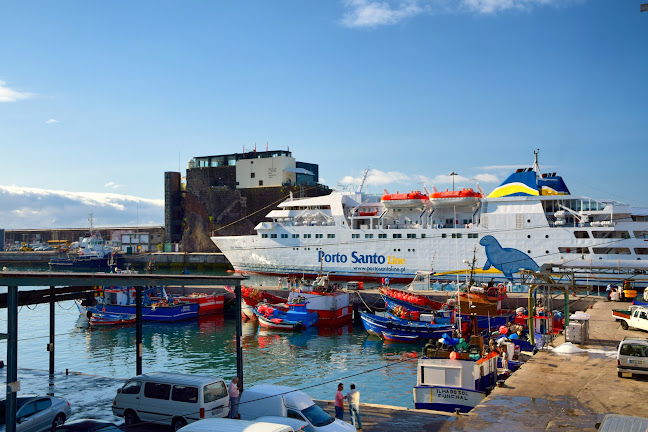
[317, 416]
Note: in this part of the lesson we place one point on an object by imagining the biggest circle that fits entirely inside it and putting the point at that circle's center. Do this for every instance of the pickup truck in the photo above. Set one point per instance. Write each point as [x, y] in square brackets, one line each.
[636, 316]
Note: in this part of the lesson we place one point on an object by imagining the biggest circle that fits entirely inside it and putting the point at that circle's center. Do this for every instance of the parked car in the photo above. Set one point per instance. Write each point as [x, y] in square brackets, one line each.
[282, 401]
[231, 425]
[297, 425]
[171, 399]
[37, 413]
[89, 425]
[632, 356]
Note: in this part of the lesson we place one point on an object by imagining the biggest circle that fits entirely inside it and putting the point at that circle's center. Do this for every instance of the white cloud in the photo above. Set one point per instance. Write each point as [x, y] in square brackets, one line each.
[51, 121]
[374, 13]
[9, 95]
[368, 13]
[22, 207]
[112, 185]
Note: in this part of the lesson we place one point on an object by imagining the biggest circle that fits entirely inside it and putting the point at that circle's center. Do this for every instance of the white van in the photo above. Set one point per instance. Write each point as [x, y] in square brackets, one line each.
[632, 356]
[272, 400]
[171, 399]
[231, 425]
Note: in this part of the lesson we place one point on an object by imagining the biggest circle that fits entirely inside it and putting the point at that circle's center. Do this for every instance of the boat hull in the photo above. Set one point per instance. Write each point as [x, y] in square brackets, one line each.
[208, 304]
[395, 331]
[446, 399]
[172, 313]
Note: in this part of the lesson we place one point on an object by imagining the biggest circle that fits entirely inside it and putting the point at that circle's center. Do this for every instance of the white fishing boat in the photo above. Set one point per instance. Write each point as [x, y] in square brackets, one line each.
[529, 220]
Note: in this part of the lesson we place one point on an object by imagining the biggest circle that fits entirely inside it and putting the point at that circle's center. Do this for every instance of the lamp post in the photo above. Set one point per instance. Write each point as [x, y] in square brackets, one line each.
[453, 174]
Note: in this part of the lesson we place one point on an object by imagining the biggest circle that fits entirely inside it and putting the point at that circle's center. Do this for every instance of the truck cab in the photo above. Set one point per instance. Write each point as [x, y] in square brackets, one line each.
[636, 316]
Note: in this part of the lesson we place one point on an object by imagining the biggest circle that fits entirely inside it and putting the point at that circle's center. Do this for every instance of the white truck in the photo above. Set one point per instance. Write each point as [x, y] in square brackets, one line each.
[636, 317]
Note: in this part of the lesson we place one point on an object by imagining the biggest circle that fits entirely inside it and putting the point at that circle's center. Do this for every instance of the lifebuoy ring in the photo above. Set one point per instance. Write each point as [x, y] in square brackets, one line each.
[445, 307]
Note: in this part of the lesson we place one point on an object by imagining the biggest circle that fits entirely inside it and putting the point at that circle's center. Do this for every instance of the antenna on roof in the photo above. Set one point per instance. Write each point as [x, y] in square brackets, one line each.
[536, 166]
[364, 177]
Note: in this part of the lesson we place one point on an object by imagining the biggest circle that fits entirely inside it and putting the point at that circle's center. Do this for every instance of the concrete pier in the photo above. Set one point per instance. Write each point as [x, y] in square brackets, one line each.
[565, 392]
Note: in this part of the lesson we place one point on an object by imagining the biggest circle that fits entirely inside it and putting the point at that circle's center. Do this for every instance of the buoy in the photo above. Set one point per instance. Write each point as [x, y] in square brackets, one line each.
[453, 355]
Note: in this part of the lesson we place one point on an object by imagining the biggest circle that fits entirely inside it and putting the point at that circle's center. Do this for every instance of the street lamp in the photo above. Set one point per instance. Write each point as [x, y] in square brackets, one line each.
[453, 174]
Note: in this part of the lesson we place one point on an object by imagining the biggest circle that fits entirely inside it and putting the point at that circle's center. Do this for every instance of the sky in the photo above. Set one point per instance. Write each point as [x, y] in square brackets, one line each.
[99, 99]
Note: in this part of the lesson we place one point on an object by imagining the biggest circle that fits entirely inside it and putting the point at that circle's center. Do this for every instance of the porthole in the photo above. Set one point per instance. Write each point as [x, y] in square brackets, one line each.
[546, 252]
[529, 236]
[528, 220]
[528, 251]
[547, 236]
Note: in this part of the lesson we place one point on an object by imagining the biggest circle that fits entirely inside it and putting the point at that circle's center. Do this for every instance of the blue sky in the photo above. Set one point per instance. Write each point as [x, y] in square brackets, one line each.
[98, 99]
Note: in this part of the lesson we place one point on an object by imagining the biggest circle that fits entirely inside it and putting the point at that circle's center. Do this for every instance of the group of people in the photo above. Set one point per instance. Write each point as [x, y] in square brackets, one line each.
[620, 289]
[353, 398]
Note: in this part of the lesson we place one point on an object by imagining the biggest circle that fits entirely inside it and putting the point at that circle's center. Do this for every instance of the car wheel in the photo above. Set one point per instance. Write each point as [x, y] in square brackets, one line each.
[624, 325]
[130, 418]
[58, 420]
[178, 423]
[620, 374]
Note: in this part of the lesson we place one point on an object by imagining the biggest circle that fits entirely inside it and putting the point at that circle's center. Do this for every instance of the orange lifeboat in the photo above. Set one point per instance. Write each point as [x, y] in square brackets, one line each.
[465, 197]
[413, 199]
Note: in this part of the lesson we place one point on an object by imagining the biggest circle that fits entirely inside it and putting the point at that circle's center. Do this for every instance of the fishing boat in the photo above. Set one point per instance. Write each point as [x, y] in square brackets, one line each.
[330, 302]
[93, 254]
[401, 330]
[208, 303]
[251, 297]
[276, 317]
[530, 219]
[454, 381]
[156, 304]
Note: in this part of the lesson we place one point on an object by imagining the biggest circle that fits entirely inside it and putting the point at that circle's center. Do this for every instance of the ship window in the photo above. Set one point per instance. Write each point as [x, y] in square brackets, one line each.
[411, 235]
[295, 236]
[641, 251]
[319, 235]
[422, 235]
[382, 235]
[264, 235]
[456, 235]
[252, 175]
[355, 235]
[581, 234]
[260, 182]
[611, 234]
[307, 236]
[330, 236]
[641, 234]
[473, 235]
[574, 250]
[444, 235]
[284, 235]
[611, 251]
[397, 235]
[368, 235]
[273, 235]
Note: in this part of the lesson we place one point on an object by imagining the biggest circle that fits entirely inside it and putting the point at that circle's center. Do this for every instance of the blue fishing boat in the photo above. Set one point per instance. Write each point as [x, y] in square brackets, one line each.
[296, 316]
[402, 330]
[156, 304]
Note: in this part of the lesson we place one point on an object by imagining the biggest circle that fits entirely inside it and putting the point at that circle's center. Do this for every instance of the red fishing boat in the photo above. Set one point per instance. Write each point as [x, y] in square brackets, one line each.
[208, 303]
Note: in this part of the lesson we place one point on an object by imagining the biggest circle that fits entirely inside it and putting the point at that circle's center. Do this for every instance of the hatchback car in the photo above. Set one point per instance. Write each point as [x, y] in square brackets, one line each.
[632, 356]
[37, 413]
[89, 425]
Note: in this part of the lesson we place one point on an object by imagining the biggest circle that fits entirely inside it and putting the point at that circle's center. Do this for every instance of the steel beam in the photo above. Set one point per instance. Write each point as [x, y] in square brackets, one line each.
[138, 331]
[50, 347]
[239, 332]
[12, 358]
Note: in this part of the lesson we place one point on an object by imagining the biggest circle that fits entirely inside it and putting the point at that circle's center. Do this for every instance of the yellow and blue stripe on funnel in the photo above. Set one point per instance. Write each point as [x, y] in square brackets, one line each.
[525, 182]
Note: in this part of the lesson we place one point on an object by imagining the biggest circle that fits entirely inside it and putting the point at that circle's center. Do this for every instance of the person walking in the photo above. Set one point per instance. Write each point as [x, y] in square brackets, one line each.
[234, 394]
[353, 397]
[339, 402]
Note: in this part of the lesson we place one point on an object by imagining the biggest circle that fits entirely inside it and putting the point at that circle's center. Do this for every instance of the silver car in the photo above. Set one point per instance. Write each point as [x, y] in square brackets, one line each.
[37, 413]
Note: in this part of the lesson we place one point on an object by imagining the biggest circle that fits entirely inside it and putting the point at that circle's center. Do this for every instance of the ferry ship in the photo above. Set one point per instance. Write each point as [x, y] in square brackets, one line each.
[529, 220]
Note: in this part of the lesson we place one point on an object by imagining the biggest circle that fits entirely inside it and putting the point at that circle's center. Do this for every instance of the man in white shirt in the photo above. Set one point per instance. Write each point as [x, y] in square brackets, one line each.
[234, 394]
[353, 397]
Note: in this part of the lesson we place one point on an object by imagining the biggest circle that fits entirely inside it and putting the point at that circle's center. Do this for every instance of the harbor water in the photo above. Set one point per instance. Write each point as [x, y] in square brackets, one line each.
[314, 360]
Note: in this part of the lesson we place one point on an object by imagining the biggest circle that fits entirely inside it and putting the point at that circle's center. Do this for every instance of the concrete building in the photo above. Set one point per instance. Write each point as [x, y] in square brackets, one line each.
[226, 194]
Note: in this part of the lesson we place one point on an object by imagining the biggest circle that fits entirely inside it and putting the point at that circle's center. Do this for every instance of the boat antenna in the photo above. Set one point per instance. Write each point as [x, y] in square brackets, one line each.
[536, 166]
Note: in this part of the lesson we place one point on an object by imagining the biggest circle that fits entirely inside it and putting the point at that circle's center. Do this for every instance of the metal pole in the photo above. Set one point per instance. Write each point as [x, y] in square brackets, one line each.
[50, 347]
[12, 358]
[138, 327]
[566, 308]
[531, 307]
[239, 331]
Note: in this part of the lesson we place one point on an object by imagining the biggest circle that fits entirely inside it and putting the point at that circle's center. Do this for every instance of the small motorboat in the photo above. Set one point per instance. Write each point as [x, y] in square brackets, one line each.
[96, 318]
[276, 317]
